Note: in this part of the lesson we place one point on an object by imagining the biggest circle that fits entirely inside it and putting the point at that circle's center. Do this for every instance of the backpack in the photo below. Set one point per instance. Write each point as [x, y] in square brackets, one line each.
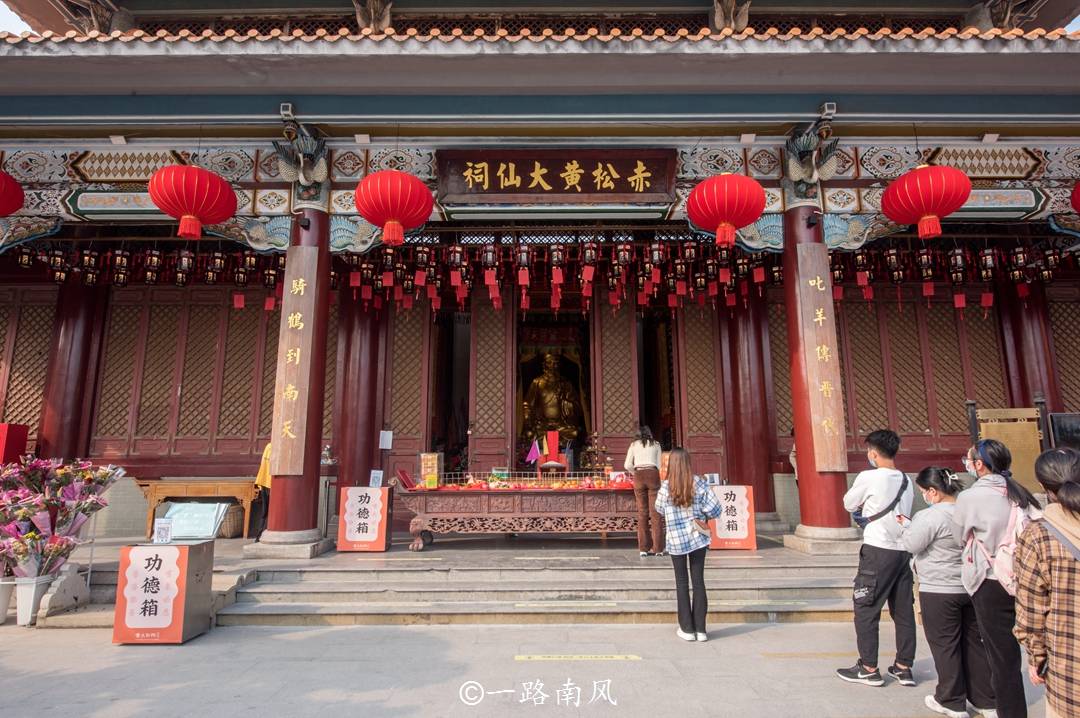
[1001, 562]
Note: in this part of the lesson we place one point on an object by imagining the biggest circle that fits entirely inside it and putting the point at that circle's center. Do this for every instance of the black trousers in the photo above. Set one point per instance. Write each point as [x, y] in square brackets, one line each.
[996, 611]
[884, 577]
[952, 630]
[260, 513]
[691, 613]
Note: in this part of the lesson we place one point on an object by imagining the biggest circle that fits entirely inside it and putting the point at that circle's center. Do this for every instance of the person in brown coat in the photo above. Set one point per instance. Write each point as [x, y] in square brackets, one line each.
[1047, 565]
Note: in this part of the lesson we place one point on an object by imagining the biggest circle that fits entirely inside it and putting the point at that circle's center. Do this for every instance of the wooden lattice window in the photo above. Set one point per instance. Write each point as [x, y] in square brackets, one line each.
[184, 373]
[26, 329]
[1064, 322]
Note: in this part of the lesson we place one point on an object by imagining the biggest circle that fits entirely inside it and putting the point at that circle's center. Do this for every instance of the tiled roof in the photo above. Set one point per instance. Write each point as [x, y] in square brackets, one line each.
[548, 34]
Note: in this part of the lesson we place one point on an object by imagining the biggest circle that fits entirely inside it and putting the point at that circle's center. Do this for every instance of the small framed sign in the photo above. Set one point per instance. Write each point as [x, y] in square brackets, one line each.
[376, 478]
[386, 440]
[163, 530]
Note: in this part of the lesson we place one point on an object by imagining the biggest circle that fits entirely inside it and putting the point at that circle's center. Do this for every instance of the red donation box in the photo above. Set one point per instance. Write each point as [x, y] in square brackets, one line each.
[12, 442]
[364, 519]
[735, 527]
[163, 592]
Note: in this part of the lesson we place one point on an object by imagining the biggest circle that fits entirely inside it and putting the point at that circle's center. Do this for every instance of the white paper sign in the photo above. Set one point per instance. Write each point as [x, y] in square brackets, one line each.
[163, 530]
[386, 440]
[196, 520]
[363, 513]
[376, 478]
[151, 588]
[734, 521]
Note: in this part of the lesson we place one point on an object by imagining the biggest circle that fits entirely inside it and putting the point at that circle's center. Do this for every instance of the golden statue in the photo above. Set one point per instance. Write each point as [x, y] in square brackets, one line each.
[551, 404]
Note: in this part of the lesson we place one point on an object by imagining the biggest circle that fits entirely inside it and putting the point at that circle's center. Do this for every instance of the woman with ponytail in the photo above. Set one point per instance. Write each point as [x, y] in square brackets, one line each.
[1048, 585]
[948, 614]
[985, 523]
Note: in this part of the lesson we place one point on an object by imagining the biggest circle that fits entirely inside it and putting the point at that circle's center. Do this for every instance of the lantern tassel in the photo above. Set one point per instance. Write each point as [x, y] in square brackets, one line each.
[393, 234]
[190, 227]
[725, 235]
[929, 227]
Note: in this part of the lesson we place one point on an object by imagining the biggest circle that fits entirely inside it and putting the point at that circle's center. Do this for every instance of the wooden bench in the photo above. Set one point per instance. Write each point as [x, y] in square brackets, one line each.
[158, 491]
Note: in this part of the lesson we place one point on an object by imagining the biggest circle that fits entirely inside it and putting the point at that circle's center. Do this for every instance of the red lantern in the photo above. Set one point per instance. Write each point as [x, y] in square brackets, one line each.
[395, 201]
[193, 195]
[11, 195]
[924, 195]
[726, 202]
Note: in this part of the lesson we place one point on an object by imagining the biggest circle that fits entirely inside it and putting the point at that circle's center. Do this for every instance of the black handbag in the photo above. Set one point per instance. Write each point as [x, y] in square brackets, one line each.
[864, 521]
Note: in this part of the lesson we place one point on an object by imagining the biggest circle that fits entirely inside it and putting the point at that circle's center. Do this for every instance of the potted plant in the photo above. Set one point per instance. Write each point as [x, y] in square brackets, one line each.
[43, 506]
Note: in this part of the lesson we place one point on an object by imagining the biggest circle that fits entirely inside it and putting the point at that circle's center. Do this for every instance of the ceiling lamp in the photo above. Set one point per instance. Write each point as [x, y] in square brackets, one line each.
[193, 195]
[396, 201]
[924, 195]
[725, 202]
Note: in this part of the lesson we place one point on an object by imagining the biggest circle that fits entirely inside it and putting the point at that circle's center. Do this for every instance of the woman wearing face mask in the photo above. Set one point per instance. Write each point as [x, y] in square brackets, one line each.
[947, 611]
[984, 515]
[1048, 585]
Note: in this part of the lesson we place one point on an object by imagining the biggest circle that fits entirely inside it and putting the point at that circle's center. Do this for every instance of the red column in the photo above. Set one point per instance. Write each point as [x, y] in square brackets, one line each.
[750, 439]
[820, 493]
[294, 499]
[1025, 333]
[359, 432]
[69, 384]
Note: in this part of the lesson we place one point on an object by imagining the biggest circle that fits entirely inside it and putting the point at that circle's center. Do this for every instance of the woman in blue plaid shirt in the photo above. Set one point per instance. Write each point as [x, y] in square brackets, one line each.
[687, 503]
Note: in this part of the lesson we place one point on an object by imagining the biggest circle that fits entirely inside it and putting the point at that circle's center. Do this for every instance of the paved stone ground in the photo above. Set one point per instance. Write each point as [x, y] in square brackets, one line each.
[745, 670]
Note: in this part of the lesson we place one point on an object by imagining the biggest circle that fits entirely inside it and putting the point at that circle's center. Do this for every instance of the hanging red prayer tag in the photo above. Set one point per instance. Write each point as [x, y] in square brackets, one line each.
[496, 302]
[388, 279]
[432, 292]
[759, 275]
[714, 288]
[701, 299]
[1023, 291]
[959, 300]
[365, 292]
[436, 303]
[237, 300]
[523, 277]
[556, 275]
[724, 276]
[493, 291]
[986, 300]
[613, 298]
[354, 279]
[407, 302]
[489, 277]
[730, 300]
[655, 279]
[838, 293]
[862, 278]
[672, 301]
[378, 302]
[586, 289]
[279, 291]
[420, 279]
[525, 302]
[868, 293]
[680, 288]
[398, 294]
[928, 289]
[269, 303]
[744, 289]
[642, 299]
[455, 277]
[587, 273]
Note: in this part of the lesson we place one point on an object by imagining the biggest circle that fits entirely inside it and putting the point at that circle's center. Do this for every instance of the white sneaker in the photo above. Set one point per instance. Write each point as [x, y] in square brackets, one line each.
[933, 705]
[702, 637]
[643, 554]
[685, 636]
[984, 712]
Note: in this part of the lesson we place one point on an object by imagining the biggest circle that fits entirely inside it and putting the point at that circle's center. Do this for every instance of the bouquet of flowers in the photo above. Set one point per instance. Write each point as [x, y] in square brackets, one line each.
[43, 505]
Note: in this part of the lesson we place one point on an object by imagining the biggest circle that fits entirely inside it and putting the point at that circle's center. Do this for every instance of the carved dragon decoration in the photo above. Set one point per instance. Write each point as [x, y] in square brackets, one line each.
[374, 14]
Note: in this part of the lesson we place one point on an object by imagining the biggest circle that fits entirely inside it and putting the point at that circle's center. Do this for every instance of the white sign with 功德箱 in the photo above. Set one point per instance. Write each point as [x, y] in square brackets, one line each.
[734, 529]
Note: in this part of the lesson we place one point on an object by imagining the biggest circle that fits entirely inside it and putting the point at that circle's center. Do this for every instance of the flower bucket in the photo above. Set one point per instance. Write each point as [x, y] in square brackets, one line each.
[7, 590]
[29, 592]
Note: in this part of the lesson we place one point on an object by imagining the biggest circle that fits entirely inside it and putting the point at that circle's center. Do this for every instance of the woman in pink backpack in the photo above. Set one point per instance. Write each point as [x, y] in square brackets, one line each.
[989, 515]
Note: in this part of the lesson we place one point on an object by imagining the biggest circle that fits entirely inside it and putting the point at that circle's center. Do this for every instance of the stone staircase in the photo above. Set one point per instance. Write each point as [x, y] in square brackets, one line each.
[768, 586]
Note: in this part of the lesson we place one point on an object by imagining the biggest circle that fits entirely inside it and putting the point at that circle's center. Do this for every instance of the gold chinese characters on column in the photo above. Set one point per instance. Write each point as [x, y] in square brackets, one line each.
[817, 320]
[293, 368]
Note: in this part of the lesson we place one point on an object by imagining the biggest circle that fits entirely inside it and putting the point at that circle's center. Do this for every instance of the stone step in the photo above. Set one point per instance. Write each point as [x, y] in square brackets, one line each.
[493, 612]
[510, 591]
[572, 571]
